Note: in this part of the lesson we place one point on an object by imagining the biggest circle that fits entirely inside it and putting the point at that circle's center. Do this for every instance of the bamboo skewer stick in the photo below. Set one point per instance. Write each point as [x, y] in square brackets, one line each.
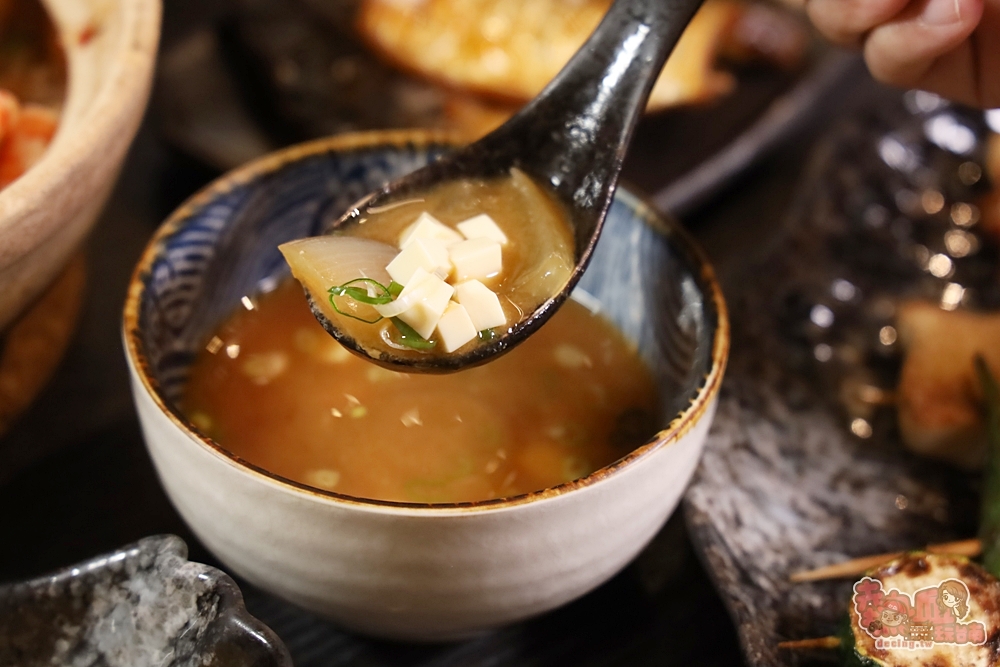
[852, 568]
[969, 548]
[815, 643]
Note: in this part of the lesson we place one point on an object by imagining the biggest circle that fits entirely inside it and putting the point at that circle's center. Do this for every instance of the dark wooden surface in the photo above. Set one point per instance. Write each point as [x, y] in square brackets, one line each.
[75, 479]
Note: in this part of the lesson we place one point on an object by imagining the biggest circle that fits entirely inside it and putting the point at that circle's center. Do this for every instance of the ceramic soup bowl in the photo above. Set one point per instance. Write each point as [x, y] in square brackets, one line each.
[408, 570]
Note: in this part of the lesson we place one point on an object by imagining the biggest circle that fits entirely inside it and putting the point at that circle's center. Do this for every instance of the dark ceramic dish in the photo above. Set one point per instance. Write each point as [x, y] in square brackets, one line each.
[214, 84]
[794, 476]
[144, 605]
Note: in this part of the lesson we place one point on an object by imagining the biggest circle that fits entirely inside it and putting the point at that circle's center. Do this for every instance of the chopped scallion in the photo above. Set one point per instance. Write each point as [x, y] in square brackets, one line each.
[363, 294]
[372, 293]
[409, 337]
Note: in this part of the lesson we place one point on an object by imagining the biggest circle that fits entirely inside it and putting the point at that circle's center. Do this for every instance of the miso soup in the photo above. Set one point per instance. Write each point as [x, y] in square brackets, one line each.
[272, 387]
[442, 269]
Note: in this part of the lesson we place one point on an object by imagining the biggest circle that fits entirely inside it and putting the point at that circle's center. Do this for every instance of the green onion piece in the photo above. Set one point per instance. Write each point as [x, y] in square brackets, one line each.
[989, 512]
[409, 337]
[362, 294]
[487, 335]
[353, 317]
[395, 288]
[351, 290]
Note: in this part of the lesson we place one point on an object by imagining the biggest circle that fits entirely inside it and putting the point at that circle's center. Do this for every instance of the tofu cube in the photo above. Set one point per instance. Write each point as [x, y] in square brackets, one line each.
[427, 226]
[475, 259]
[426, 254]
[423, 316]
[481, 303]
[455, 329]
[482, 226]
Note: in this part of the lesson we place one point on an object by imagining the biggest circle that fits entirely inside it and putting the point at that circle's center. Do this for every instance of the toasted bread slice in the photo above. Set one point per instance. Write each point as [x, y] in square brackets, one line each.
[509, 49]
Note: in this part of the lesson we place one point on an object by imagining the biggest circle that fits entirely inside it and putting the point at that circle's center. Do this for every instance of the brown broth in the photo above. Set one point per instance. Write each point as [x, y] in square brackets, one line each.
[274, 389]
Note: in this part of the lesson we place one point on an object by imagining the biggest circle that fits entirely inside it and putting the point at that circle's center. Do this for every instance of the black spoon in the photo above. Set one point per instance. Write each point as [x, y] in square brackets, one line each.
[573, 137]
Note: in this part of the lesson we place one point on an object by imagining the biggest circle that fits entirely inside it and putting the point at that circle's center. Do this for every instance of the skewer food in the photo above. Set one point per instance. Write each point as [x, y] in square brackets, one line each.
[924, 608]
[939, 399]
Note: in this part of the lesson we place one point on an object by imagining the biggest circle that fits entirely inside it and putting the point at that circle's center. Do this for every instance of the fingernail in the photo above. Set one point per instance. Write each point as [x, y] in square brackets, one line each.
[941, 12]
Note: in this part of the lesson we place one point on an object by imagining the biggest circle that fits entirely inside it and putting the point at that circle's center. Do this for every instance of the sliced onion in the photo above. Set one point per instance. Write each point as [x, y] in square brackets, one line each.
[322, 262]
[336, 259]
[403, 303]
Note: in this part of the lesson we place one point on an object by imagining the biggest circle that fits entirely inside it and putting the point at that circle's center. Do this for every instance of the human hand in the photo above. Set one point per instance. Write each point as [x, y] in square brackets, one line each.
[949, 47]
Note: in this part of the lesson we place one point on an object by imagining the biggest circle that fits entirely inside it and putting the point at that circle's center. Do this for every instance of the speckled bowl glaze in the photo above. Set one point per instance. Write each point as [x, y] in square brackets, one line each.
[110, 48]
[407, 570]
[144, 605]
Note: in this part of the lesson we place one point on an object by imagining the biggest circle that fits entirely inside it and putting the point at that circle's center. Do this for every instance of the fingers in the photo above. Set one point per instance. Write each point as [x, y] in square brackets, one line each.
[846, 21]
[922, 40]
[953, 76]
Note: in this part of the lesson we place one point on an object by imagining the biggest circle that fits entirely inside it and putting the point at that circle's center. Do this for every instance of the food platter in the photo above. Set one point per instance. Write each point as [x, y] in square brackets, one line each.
[287, 53]
[791, 479]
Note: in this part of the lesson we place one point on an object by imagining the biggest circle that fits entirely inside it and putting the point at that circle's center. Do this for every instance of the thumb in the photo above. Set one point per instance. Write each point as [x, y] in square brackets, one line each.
[905, 50]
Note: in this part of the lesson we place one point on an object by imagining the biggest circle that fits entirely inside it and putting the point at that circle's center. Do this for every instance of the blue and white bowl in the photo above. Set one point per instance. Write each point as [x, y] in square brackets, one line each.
[409, 570]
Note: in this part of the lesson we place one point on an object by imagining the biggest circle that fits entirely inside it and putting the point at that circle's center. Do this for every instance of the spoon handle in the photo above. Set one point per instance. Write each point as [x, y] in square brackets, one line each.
[576, 132]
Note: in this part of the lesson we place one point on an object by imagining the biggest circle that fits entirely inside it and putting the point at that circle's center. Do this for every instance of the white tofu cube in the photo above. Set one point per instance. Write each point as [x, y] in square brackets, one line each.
[481, 303]
[428, 227]
[423, 316]
[475, 258]
[455, 329]
[482, 226]
[426, 254]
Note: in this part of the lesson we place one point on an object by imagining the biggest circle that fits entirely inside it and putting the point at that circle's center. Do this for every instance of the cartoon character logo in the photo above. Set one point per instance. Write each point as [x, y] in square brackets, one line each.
[919, 620]
[894, 614]
[953, 595]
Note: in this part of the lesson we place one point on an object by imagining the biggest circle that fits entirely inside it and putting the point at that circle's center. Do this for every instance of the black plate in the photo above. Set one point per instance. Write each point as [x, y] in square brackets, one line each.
[266, 78]
[795, 477]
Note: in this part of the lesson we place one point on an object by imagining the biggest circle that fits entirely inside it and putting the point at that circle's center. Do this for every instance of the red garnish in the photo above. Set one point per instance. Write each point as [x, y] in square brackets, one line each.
[87, 34]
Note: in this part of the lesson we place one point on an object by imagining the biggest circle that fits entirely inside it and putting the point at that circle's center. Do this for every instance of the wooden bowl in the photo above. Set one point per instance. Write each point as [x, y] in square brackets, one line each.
[44, 215]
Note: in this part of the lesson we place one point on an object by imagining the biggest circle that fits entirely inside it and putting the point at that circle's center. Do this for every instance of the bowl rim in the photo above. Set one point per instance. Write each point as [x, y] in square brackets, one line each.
[679, 425]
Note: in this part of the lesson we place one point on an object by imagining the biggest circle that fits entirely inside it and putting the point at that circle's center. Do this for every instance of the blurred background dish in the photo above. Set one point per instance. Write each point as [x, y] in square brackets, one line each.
[508, 51]
[32, 85]
[143, 604]
[50, 195]
[46, 212]
[751, 76]
[33, 345]
[850, 416]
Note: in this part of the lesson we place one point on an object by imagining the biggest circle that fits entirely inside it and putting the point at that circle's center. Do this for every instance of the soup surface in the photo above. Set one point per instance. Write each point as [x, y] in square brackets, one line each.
[274, 389]
[522, 256]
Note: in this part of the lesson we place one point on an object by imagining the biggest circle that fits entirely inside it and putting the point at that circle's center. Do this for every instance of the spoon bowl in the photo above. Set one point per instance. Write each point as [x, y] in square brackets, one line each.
[572, 137]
